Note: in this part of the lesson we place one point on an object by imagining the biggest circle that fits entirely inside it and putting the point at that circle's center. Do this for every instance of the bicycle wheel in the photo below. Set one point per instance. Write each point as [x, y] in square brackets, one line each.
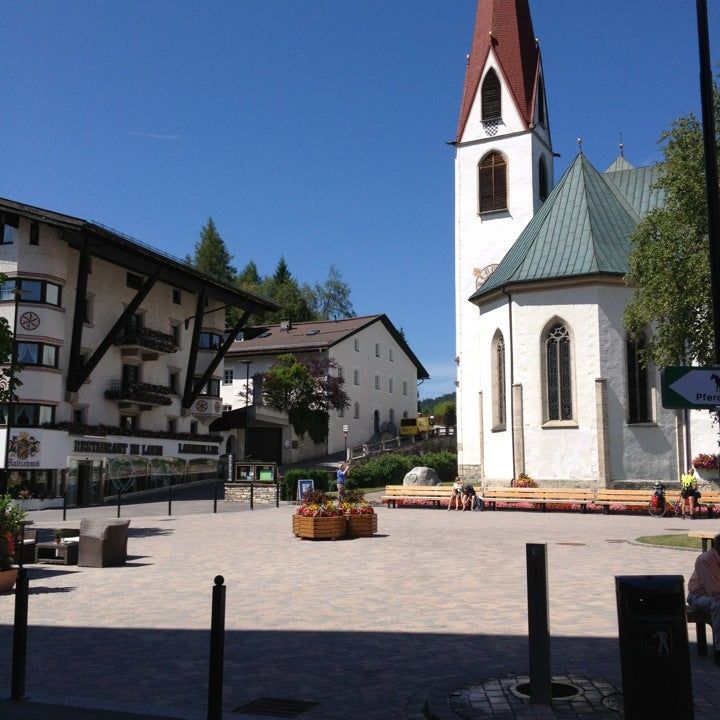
[657, 510]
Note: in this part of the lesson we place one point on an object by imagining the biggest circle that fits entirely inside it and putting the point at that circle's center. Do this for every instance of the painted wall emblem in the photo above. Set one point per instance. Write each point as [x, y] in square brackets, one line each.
[29, 321]
[23, 448]
[482, 275]
[201, 405]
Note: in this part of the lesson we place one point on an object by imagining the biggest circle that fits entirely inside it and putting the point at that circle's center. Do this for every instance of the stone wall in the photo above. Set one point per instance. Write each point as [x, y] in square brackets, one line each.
[263, 493]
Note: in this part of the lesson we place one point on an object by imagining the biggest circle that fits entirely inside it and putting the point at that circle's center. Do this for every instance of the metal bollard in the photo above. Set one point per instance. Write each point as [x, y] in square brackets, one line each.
[252, 494]
[64, 505]
[118, 509]
[169, 499]
[19, 659]
[215, 498]
[217, 650]
[538, 624]
[277, 494]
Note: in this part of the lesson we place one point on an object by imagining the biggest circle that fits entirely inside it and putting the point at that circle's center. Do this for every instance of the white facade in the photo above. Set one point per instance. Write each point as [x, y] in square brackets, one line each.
[54, 424]
[483, 238]
[380, 381]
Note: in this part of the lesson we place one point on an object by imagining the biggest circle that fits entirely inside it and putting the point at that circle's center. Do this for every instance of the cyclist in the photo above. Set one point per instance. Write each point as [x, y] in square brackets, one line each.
[688, 492]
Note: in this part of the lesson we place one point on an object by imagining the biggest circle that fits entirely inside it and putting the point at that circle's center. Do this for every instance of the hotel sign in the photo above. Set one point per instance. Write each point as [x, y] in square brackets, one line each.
[112, 448]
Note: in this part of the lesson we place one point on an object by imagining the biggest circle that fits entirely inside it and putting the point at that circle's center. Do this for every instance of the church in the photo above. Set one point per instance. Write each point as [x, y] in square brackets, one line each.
[548, 382]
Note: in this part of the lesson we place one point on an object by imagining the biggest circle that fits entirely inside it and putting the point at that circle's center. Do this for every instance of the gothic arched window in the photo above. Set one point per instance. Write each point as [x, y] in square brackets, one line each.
[542, 179]
[497, 361]
[558, 373]
[490, 97]
[639, 409]
[492, 181]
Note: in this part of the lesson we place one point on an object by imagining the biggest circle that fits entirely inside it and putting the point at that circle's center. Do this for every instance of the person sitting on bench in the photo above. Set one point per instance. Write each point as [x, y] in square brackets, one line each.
[704, 590]
[456, 494]
[468, 497]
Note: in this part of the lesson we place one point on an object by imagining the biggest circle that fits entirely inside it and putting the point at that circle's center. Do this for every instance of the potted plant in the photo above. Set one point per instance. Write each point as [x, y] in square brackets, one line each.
[706, 466]
[58, 536]
[361, 517]
[10, 517]
[318, 518]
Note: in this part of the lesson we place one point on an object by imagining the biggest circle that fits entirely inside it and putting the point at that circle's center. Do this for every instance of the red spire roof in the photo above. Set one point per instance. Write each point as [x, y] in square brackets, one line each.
[506, 24]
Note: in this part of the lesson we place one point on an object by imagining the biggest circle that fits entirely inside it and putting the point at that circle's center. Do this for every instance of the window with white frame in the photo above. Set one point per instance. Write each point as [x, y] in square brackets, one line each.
[377, 382]
[404, 387]
[639, 407]
[356, 376]
[390, 355]
[356, 345]
[497, 360]
[228, 377]
[356, 410]
[377, 349]
[558, 373]
[390, 385]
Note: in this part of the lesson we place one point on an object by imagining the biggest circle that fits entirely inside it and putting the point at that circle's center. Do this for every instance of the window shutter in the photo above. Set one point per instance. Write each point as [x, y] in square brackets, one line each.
[492, 179]
[490, 97]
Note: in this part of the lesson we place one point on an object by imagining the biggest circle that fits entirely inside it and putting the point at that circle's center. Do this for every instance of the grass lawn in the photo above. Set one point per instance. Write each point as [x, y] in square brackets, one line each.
[678, 541]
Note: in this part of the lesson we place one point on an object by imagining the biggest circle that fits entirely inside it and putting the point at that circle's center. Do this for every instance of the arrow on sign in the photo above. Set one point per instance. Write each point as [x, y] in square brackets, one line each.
[691, 387]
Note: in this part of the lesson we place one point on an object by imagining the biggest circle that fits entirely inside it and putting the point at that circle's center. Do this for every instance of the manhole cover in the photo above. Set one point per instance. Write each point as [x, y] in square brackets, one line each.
[614, 702]
[572, 544]
[276, 707]
[558, 691]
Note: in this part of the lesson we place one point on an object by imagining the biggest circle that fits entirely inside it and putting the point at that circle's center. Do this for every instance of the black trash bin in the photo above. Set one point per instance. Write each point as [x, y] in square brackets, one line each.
[654, 654]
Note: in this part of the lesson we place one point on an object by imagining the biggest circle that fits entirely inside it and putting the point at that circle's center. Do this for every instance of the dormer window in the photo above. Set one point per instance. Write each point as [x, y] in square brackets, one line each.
[490, 97]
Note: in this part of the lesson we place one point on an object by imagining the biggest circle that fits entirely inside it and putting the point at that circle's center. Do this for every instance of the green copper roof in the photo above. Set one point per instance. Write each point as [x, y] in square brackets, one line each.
[583, 228]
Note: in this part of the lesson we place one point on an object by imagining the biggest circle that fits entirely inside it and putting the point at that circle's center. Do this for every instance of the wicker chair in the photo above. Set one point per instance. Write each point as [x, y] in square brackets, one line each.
[103, 543]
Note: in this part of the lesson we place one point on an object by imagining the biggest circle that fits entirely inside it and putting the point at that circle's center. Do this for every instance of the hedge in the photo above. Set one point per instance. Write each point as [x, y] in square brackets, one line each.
[291, 477]
[391, 468]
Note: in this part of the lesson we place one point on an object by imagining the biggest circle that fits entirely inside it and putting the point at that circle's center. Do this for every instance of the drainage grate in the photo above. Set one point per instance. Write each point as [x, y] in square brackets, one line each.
[572, 544]
[276, 707]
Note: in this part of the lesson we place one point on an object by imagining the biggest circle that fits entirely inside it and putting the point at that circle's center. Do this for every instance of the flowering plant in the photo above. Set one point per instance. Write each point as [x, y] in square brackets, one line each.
[10, 517]
[355, 504]
[706, 462]
[316, 504]
[523, 481]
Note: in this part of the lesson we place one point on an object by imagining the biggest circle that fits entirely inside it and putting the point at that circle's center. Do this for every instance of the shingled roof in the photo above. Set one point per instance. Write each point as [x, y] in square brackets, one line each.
[506, 26]
[582, 229]
[312, 336]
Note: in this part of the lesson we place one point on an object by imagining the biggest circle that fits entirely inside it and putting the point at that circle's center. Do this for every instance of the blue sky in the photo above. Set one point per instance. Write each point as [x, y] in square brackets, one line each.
[313, 129]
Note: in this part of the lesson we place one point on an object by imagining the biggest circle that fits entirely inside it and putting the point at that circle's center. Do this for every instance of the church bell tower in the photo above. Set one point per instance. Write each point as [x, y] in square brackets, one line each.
[503, 173]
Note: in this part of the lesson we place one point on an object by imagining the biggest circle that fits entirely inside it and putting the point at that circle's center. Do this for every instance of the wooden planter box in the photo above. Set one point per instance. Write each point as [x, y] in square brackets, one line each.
[316, 528]
[361, 525]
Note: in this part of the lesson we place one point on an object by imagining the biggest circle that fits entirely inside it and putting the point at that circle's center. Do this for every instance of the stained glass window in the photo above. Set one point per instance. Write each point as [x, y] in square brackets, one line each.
[558, 375]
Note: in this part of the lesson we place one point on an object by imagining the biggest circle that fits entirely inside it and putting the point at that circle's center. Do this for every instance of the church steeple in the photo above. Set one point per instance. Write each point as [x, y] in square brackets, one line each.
[505, 27]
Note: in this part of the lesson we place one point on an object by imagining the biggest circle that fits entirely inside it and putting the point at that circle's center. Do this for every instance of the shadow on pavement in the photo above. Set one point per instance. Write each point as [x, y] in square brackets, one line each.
[368, 671]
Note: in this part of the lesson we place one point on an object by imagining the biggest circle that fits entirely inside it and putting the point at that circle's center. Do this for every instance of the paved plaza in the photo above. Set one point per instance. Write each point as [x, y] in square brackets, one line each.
[369, 629]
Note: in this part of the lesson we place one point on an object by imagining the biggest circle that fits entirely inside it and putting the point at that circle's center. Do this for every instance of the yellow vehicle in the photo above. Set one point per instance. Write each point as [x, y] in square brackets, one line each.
[420, 426]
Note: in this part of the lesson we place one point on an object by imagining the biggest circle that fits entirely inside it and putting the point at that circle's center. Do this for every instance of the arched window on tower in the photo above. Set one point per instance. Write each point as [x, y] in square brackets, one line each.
[541, 104]
[638, 410]
[492, 181]
[497, 361]
[491, 108]
[542, 179]
[558, 373]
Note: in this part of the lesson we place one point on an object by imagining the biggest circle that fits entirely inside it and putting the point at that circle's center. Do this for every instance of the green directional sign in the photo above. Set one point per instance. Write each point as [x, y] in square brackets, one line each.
[691, 387]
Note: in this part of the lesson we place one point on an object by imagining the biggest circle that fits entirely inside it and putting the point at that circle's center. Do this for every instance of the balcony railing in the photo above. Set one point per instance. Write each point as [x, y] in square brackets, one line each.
[143, 393]
[147, 338]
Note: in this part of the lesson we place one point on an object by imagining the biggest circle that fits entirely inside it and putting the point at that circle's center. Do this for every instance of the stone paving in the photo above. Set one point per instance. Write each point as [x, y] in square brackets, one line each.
[370, 629]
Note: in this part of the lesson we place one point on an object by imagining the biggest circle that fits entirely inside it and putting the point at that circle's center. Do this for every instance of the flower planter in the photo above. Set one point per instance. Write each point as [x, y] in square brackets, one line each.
[364, 525]
[316, 528]
[7, 579]
[707, 476]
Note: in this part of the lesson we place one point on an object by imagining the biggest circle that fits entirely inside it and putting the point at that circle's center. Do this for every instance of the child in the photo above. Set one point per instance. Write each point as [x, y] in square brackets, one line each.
[456, 494]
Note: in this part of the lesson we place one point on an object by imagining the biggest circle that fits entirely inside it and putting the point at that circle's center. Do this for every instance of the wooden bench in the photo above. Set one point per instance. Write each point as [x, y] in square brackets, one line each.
[706, 537]
[701, 619]
[637, 498]
[539, 496]
[709, 499]
[409, 493]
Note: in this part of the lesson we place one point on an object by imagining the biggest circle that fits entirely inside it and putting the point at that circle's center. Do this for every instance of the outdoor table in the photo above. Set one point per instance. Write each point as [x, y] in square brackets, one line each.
[57, 553]
[706, 536]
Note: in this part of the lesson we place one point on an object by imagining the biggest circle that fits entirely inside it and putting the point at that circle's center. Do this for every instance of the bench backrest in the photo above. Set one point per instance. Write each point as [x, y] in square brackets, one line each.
[559, 494]
[614, 495]
[410, 490]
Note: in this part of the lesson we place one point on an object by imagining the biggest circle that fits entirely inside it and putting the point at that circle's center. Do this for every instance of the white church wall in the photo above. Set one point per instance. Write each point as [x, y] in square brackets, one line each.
[638, 451]
[558, 451]
[497, 451]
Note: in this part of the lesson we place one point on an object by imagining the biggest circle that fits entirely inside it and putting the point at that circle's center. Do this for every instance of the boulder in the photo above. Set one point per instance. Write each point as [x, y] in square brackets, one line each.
[421, 476]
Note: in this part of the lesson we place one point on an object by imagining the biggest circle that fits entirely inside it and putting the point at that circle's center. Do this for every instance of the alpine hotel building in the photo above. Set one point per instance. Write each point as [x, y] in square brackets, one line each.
[121, 349]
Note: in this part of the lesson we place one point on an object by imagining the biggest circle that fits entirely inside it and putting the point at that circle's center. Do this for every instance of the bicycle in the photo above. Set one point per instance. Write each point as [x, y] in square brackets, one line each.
[659, 505]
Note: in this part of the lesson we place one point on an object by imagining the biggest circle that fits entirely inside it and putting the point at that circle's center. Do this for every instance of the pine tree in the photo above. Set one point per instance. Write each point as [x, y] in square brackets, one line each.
[212, 256]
